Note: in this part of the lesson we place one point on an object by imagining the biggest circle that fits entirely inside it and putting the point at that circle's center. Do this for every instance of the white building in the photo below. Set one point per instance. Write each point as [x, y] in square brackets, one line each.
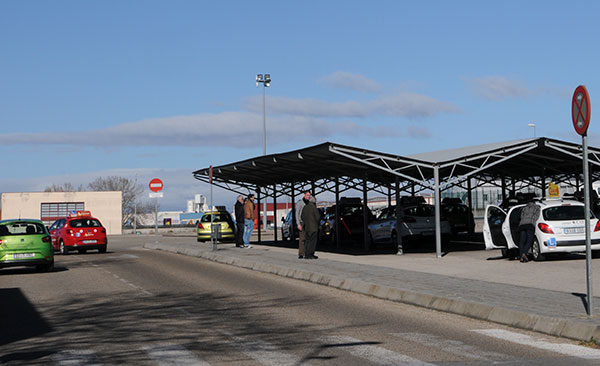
[49, 206]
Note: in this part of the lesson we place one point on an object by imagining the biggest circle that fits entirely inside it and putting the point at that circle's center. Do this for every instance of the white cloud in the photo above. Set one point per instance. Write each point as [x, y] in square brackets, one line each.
[231, 129]
[347, 80]
[308, 107]
[410, 105]
[418, 132]
[499, 88]
[288, 119]
[406, 105]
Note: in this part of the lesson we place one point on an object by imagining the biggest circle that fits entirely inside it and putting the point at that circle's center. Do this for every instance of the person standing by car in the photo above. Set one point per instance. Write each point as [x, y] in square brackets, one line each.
[240, 224]
[248, 220]
[310, 226]
[299, 206]
[529, 216]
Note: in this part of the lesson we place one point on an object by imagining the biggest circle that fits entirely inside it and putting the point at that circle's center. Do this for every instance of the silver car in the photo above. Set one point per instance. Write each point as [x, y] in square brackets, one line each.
[417, 222]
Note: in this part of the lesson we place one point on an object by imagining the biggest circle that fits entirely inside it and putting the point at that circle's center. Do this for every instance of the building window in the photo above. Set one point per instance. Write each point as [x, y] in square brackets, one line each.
[55, 210]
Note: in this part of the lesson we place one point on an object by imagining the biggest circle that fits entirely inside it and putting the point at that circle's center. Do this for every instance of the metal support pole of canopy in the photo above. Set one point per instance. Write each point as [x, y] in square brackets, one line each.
[275, 212]
[337, 212]
[436, 197]
[258, 216]
[366, 241]
[398, 219]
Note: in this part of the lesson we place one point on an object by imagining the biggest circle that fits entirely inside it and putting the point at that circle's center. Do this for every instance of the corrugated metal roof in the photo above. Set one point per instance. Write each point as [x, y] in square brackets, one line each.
[520, 159]
[440, 156]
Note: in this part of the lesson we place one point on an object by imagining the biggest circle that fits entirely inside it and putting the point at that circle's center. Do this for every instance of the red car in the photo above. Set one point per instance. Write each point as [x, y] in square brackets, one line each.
[80, 231]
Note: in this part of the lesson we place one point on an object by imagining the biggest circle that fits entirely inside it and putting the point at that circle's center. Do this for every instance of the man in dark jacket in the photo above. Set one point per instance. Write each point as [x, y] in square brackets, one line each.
[299, 206]
[529, 216]
[239, 221]
[310, 226]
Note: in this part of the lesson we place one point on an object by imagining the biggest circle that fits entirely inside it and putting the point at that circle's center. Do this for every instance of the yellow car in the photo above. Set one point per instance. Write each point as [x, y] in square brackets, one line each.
[222, 218]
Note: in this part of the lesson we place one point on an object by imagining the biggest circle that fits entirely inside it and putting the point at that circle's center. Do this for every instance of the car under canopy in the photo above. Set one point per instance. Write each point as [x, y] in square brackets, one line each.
[331, 167]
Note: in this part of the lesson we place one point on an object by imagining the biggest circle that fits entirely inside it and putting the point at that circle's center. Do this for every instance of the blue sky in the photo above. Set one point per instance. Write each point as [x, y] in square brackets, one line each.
[160, 89]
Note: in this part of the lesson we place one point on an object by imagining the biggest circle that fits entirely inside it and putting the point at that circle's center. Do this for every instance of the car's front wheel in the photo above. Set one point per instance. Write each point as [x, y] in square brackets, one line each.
[536, 251]
[63, 248]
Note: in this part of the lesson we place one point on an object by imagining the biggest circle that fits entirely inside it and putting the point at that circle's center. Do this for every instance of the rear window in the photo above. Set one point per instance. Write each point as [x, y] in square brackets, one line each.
[561, 213]
[22, 228]
[222, 217]
[85, 223]
[350, 210]
[420, 211]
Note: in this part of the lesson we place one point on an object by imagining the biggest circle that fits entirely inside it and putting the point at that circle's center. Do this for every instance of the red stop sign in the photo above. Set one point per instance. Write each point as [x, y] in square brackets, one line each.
[581, 110]
[156, 185]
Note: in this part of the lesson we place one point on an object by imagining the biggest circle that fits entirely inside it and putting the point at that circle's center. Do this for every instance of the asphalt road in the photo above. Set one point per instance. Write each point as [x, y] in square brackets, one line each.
[136, 306]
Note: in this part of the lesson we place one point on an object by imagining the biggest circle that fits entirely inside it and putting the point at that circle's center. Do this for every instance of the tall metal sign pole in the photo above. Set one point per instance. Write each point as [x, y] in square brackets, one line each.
[156, 186]
[212, 230]
[581, 112]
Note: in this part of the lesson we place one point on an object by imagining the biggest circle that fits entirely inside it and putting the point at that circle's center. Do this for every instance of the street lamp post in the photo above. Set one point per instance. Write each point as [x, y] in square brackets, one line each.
[532, 125]
[266, 82]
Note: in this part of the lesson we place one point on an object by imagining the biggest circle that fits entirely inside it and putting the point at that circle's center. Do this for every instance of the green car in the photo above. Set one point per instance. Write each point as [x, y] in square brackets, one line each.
[25, 242]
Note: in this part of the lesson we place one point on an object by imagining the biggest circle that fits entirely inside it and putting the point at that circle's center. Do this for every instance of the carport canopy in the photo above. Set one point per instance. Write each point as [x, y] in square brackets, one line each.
[326, 166]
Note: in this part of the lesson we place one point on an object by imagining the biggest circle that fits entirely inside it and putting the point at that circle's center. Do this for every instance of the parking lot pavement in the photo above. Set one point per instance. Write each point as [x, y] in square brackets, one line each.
[547, 297]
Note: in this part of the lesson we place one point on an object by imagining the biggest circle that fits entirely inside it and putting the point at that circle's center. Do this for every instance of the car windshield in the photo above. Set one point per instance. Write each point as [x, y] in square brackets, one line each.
[85, 223]
[561, 213]
[21, 228]
[222, 217]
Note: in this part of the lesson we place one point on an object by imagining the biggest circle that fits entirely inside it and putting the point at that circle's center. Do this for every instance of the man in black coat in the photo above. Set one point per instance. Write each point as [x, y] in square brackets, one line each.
[239, 221]
[310, 218]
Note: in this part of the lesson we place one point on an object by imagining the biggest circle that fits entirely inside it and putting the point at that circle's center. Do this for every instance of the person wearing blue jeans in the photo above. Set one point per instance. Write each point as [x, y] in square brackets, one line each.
[248, 220]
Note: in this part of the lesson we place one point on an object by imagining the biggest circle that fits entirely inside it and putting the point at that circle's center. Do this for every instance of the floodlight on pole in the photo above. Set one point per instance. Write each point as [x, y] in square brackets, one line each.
[266, 82]
[532, 125]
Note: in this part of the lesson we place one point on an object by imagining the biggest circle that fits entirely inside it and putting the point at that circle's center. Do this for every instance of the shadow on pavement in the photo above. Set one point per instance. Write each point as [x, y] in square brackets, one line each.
[206, 323]
[459, 243]
[20, 319]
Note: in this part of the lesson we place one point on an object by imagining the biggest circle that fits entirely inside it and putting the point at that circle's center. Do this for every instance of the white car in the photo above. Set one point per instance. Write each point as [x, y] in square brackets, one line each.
[417, 221]
[559, 229]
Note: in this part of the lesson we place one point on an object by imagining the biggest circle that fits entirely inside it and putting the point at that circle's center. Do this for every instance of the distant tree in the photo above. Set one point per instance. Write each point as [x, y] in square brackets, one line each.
[65, 187]
[130, 192]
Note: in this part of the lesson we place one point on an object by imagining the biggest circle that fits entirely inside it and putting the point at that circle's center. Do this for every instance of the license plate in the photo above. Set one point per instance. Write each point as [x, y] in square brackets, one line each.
[574, 230]
[23, 255]
[89, 241]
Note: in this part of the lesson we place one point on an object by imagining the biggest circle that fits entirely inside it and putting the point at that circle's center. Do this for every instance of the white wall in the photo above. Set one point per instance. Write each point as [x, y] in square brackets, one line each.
[105, 206]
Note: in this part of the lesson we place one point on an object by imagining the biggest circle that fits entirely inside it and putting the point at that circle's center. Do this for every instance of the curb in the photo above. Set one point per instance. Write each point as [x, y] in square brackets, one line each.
[577, 330]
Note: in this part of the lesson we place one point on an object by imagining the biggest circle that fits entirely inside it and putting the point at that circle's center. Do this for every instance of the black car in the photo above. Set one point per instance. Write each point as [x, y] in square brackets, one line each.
[351, 220]
[458, 215]
[289, 229]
